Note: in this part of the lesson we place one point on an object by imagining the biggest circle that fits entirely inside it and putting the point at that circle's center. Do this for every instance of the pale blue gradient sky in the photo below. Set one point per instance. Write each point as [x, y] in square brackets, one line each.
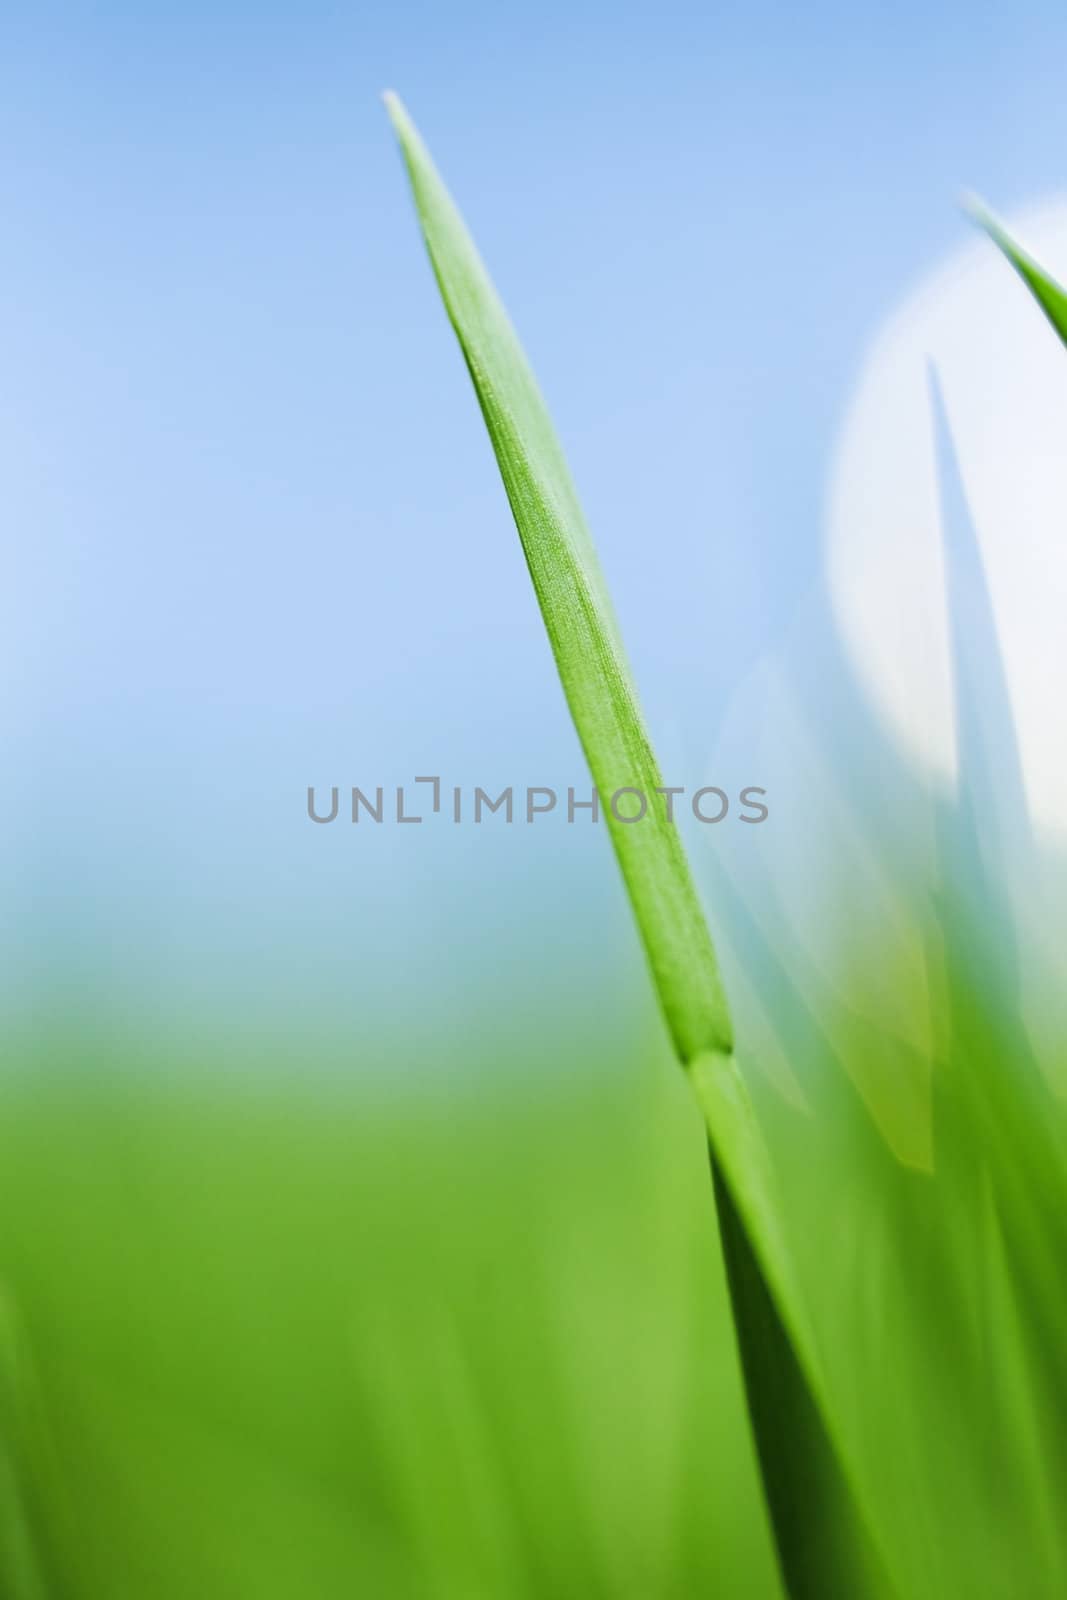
[254, 536]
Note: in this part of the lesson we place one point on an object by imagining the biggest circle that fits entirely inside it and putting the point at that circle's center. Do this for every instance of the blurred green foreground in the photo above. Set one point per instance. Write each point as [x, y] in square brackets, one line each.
[280, 1323]
[264, 1335]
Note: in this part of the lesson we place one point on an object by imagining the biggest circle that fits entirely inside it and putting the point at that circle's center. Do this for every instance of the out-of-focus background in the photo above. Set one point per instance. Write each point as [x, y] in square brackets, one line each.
[355, 1233]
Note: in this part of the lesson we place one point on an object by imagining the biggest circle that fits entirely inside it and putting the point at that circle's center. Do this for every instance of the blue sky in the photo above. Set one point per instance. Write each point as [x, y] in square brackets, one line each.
[254, 535]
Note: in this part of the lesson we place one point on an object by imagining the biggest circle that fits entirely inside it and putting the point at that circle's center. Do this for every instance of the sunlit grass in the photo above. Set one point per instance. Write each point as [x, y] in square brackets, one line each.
[274, 1333]
[977, 1307]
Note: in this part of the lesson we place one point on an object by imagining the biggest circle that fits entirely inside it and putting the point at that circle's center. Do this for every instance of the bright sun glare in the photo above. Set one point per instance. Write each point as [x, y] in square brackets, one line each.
[1003, 374]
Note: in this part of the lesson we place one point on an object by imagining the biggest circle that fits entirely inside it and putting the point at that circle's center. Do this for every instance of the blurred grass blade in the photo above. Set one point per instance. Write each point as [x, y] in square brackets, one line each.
[28, 1488]
[1046, 291]
[823, 1542]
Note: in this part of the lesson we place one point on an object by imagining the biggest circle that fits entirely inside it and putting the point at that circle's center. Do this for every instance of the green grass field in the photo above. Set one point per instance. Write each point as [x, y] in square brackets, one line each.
[264, 1335]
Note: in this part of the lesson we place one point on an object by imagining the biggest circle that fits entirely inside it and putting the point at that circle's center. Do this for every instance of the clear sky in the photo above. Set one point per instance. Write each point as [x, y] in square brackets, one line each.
[254, 538]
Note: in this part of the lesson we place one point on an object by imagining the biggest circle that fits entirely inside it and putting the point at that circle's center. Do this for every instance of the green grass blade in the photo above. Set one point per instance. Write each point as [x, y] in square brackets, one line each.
[30, 1496]
[823, 1542]
[1046, 291]
[578, 616]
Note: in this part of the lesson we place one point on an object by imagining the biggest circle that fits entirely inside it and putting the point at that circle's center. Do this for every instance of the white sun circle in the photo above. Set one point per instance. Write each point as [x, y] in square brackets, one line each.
[1003, 375]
